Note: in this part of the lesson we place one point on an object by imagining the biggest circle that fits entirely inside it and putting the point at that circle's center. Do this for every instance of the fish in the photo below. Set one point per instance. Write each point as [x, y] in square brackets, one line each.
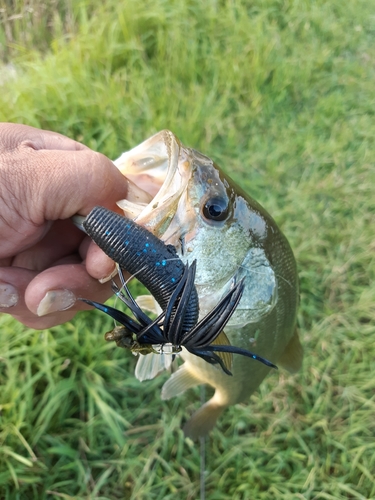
[191, 204]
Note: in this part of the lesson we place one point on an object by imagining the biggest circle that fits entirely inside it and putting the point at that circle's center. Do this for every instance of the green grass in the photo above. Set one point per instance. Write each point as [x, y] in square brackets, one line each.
[281, 94]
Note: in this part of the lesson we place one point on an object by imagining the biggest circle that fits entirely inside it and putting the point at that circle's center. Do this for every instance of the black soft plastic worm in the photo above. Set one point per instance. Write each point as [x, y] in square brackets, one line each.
[136, 250]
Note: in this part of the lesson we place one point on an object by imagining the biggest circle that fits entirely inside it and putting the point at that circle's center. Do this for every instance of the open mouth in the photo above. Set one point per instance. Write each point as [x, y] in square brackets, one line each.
[160, 167]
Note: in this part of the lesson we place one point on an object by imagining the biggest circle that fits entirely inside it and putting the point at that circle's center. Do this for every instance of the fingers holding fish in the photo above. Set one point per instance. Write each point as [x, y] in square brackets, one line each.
[46, 178]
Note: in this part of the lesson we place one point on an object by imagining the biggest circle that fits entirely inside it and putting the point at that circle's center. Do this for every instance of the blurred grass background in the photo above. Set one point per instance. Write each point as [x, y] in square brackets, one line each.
[281, 94]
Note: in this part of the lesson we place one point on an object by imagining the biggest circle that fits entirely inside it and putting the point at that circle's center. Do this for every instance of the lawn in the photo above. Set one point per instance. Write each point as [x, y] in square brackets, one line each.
[281, 94]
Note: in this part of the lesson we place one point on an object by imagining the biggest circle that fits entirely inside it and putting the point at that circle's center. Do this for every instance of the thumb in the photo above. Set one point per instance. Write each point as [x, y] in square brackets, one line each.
[71, 182]
[46, 176]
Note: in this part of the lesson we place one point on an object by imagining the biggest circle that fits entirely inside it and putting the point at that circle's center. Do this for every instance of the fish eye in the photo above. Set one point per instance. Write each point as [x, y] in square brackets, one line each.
[216, 209]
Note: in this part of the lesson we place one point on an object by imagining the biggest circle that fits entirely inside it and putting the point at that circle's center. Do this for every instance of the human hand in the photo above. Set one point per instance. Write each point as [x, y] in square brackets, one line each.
[45, 261]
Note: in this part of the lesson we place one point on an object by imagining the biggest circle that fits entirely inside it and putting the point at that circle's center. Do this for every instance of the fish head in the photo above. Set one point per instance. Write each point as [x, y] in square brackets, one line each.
[206, 217]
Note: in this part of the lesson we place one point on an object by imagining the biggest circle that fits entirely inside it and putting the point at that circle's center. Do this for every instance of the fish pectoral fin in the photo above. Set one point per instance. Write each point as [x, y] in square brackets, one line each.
[292, 357]
[203, 420]
[179, 382]
[150, 365]
[226, 357]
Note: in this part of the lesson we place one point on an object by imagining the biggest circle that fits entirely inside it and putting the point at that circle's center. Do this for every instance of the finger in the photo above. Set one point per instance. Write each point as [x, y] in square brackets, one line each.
[61, 240]
[43, 186]
[13, 283]
[58, 288]
[98, 264]
[30, 320]
[46, 176]
[52, 294]
[73, 182]
[13, 134]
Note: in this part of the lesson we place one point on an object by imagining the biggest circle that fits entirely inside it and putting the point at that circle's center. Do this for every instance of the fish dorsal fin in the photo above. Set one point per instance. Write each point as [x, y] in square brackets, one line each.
[179, 382]
[226, 357]
[292, 357]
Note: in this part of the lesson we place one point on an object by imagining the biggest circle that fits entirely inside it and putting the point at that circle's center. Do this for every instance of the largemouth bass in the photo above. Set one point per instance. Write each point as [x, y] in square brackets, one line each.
[199, 210]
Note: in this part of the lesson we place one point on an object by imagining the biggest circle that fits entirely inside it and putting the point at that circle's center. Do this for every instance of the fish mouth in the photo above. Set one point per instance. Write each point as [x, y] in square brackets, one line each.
[162, 162]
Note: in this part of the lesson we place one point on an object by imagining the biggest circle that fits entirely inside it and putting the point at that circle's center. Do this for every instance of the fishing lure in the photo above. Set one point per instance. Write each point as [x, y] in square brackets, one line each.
[159, 268]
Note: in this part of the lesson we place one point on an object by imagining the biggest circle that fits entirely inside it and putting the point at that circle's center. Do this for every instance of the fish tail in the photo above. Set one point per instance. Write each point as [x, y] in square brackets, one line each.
[203, 420]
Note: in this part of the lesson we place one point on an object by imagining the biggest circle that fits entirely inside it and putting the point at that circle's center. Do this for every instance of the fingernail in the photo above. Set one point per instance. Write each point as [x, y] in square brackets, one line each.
[56, 300]
[8, 295]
